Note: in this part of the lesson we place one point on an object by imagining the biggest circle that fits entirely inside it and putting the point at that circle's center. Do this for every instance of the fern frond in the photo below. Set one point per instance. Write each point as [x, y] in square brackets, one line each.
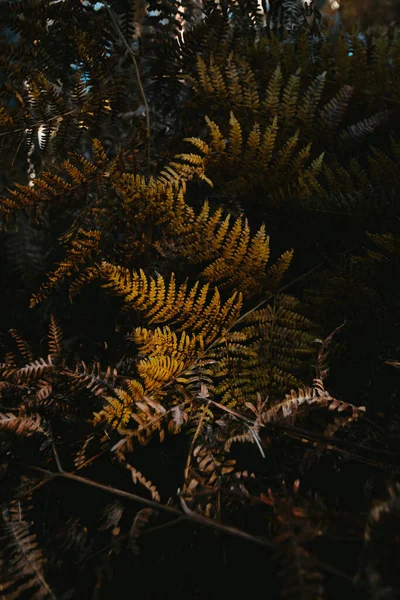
[308, 105]
[21, 426]
[138, 477]
[263, 354]
[23, 564]
[141, 519]
[92, 379]
[272, 98]
[290, 95]
[235, 138]
[381, 543]
[333, 112]
[55, 338]
[218, 143]
[181, 307]
[22, 345]
[118, 410]
[33, 370]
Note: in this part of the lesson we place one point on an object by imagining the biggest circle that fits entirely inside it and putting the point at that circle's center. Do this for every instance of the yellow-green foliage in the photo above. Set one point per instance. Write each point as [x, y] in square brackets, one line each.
[185, 343]
[262, 353]
[199, 344]
[268, 138]
[262, 162]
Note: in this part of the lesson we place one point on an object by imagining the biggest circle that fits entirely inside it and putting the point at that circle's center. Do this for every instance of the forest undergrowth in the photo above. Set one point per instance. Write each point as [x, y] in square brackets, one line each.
[199, 334]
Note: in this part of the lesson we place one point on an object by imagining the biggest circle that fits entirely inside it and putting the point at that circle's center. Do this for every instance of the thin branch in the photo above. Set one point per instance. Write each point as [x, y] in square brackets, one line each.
[225, 528]
[57, 458]
[187, 515]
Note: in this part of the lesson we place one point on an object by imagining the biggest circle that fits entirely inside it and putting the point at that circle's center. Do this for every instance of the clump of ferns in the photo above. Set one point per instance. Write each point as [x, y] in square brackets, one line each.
[299, 521]
[241, 76]
[46, 395]
[176, 354]
[279, 166]
[297, 99]
[296, 405]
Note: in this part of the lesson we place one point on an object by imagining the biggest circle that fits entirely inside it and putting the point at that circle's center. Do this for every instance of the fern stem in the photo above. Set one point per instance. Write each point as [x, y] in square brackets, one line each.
[302, 435]
[139, 80]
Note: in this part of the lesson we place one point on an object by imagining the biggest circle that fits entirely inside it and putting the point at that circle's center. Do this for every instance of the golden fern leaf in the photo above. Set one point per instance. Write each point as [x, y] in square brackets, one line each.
[205, 79]
[268, 144]
[217, 79]
[272, 99]
[235, 138]
[276, 273]
[137, 404]
[82, 248]
[195, 246]
[288, 106]
[251, 98]
[156, 371]
[199, 144]
[138, 477]
[25, 197]
[175, 173]
[307, 182]
[81, 456]
[285, 154]
[235, 88]
[166, 341]
[242, 259]
[218, 143]
[136, 389]
[180, 307]
[253, 143]
[118, 410]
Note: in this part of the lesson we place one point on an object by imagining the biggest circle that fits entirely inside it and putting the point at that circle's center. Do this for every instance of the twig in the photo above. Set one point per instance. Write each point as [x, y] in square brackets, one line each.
[186, 515]
[56, 457]
[226, 528]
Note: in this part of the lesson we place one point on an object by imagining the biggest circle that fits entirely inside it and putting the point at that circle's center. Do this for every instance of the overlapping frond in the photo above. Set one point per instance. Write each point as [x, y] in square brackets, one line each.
[186, 308]
[263, 353]
[22, 561]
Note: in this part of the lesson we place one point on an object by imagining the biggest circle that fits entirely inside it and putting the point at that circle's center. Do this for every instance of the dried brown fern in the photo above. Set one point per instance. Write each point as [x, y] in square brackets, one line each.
[22, 562]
